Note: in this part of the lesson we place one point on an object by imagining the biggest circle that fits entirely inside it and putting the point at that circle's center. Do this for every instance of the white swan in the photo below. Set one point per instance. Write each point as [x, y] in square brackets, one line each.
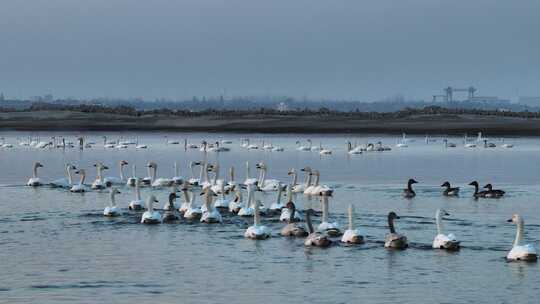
[192, 211]
[246, 209]
[80, 187]
[177, 179]
[194, 181]
[231, 183]
[300, 188]
[113, 180]
[35, 181]
[158, 182]
[266, 184]
[332, 229]
[236, 204]
[222, 201]
[185, 205]
[98, 183]
[257, 231]
[277, 206]
[303, 148]
[520, 252]
[319, 189]
[150, 216]
[137, 203]
[67, 181]
[286, 212]
[112, 210]
[170, 209]
[133, 179]
[210, 215]
[352, 235]
[444, 241]
[249, 180]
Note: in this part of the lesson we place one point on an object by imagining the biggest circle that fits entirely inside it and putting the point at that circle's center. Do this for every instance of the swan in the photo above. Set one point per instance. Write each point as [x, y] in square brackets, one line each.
[80, 187]
[317, 148]
[314, 238]
[352, 235]
[257, 231]
[98, 183]
[246, 209]
[137, 203]
[211, 215]
[113, 180]
[245, 143]
[133, 179]
[168, 205]
[292, 229]
[300, 188]
[150, 216]
[192, 212]
[155, 181]
[325, 151]
[67, 181]
[320, 188]
[112, 210]
[304, 148]
[449, 191]
[236, 204]
[170, 210]
[177, 179]
[493, 193]
[35, 181]
[217, 185]
[277, 206]
[355, 150]
[194, 181]
[286, 212]
[222, 202]
[332, 229]
[231, 183]
[520, 252]
[409, 192]
[394, 240]
[477, 193]
[186, 204]
[266, 184]
[207, 168]
[444, 241]
[249, 180]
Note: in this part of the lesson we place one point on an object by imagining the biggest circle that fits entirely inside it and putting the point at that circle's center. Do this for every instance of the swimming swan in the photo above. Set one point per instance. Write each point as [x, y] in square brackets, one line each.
[150, 216]
[80, 187]
[137, 203]
[352, 235]
[67, 181]
[210, 215]
[98, 183]
[520, 252]
[112, 210]
[292, 229]
[332, 229]
[394, 240]
[257, 231]
[170, 211]
[113, 180]
[35, 181]
[314, 238]
[192, 212]
[444, 241]
[286, 212]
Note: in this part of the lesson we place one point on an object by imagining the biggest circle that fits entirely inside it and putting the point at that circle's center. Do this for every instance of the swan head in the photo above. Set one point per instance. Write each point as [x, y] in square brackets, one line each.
[326, 192]
[306, 169]
[392, 215]
[208, 191]
[445, 184]
[488, 186]
[291, 171]
[38, 165]
[516, 218]
[123, 163]
[442, 212]
[151, 165]
[80, 172]
[412, 181]
[473, 183]
[114, 191]
[260, 165]
[152, 199]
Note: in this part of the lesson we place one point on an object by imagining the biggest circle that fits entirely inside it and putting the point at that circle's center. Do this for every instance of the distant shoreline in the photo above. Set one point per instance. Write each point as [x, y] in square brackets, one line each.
[271, 123]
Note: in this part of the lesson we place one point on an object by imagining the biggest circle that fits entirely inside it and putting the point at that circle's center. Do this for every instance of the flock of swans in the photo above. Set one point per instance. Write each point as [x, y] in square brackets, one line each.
[221, 195]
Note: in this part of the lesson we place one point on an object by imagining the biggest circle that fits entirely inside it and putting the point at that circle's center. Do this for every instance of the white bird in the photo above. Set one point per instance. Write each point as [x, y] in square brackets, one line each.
[286, 212]
[236, 204]
[249, 180]
[300, 188]
[222, 201]
[137, 203]
[177, 179]
[332, 229]
[520, 252]
[185, 205]
[112, 210]
[444, 241]
[257, 231]
[35, 181]
[173, 205]
[133, 179]
[114, 180]
[194, 181]
[192, 211]
[211, 214]
[158, 182]
[150, 216]
[170, 209]
[246, 209]
[65, 182]
[98, 183]
[266, 184]
[394, 240]
[277, 206]
[352, 235]
[303, 148]
[80, 187]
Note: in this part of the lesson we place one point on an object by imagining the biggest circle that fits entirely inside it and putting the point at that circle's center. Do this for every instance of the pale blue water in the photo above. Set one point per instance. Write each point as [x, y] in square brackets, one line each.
[56, 246]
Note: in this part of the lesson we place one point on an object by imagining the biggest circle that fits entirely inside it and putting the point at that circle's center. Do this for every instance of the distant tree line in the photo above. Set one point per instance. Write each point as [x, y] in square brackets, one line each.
[262, 111]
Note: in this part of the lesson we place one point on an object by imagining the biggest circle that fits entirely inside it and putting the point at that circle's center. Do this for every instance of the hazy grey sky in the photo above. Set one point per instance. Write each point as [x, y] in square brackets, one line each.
[350, 49]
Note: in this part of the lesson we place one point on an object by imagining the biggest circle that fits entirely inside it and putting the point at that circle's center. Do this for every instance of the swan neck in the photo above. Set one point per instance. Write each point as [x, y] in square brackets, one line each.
[308, 179]
[137, 190]
[231, 172]
[34, 172]
[154, 173]
[81, 181]
[308, 221]
[278, 200]
[351, 218]
[150, 206]
[391, 224]
[249, 197]
[256, 215]
[289, 193]
[438, 219]
[176, 172]
[68, 172]
[325, 209]
[519, 233]
[113, 200]
[294, 178]
[216, 175]
[121, 172]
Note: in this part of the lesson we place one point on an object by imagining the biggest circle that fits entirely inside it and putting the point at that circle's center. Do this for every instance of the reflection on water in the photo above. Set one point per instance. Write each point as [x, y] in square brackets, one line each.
[57, 246]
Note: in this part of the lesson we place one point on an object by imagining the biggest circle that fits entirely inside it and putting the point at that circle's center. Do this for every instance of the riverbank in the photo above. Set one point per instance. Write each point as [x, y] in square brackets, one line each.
[262, 123]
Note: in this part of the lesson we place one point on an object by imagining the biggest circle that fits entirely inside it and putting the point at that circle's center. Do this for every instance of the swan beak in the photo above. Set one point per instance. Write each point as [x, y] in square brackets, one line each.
[509, 221]
[118, 192]
[398, 217]
[105, 167]
[447, 214]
